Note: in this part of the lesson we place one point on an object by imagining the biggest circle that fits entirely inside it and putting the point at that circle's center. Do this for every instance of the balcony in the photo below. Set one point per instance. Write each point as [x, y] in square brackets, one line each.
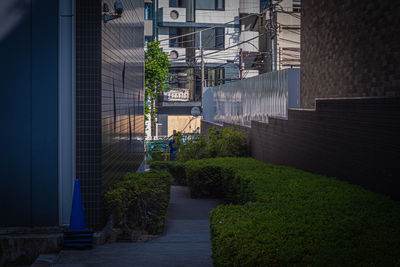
[172, 14]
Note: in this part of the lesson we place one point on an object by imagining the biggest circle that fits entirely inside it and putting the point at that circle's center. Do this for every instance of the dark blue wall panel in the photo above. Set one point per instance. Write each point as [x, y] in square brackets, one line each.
[44, 112]
[15, 133]
[28, 115]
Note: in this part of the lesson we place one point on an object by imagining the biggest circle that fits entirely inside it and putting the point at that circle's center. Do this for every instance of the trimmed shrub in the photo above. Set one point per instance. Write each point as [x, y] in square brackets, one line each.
[222, 143]
[140, 201]
[158, 156]
[176, 169]
[292, 217]
[218, 177]
[227, 142]
[193, 149]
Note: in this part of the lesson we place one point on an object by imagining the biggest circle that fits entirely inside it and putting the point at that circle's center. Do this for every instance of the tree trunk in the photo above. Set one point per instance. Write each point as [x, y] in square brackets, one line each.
[152, 120]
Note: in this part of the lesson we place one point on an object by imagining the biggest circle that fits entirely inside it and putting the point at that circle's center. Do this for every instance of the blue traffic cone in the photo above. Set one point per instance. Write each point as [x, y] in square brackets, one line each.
[78, 235]
[77, 220]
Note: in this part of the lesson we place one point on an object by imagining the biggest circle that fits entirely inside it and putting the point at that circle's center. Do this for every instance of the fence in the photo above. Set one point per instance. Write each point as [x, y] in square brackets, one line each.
[255, 98]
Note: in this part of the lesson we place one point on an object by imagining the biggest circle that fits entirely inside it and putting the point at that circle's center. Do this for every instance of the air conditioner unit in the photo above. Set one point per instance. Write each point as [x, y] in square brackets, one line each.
[172, 14]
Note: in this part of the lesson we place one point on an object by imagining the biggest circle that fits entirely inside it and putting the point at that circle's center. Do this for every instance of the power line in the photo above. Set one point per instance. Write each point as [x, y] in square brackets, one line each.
[219, 26]
[232, 46]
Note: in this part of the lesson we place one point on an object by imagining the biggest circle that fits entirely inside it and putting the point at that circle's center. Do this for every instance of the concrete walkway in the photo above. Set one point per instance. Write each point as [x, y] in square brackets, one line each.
[186, 242]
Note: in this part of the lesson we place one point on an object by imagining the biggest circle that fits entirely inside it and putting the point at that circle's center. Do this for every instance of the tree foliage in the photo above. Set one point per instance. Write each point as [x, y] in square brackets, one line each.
[156, 76]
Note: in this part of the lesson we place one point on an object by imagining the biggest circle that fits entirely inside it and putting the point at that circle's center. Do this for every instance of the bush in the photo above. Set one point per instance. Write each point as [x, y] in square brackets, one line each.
[227, 142]
[157, 156]
[219, 177]
[176, 169]
[193, 149]
[222, 143]
[291, 217]
[140, 201]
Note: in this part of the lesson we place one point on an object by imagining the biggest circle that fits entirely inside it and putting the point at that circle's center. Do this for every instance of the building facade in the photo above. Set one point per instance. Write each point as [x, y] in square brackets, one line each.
[75, 103]
[280, 46]
[218, 29]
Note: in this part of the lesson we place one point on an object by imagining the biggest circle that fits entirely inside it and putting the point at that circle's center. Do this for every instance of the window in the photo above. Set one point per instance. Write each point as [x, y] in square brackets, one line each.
[219, 38]
[220, 5]
[210, 4]
[220, 78]
[148, 11]
[296, 5]
[176, 3]
[173, 32]
[214, 76]
[211, 39]
[173, 3]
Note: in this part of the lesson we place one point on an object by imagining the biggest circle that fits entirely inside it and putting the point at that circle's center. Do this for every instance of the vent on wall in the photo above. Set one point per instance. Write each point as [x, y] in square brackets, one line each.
[174, 14]
[173, 54]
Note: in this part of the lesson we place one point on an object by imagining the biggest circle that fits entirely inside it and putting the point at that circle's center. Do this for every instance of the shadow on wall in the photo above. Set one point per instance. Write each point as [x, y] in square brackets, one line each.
[11, 14]
[353, 139]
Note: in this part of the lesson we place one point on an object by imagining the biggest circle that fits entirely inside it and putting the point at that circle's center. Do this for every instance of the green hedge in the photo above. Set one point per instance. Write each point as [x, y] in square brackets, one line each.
[140, 201]
[175, 168]
[157, 156]
[291, 217]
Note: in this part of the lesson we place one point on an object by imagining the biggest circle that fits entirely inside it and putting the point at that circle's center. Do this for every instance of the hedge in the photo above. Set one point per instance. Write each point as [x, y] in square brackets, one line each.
[291, 217]
[140, 201]
[157, 156]
[175, 168]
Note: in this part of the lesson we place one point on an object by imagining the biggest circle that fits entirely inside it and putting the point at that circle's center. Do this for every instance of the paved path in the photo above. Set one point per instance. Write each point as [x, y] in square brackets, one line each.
[186, 242]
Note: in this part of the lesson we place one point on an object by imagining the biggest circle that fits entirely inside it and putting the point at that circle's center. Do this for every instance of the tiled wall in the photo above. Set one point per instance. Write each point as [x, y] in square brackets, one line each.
[349, 49]
[352, 139]
[109, 99]
[122, 92]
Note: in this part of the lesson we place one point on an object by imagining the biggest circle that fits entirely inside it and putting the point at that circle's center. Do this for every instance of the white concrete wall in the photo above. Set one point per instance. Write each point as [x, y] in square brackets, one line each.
[251, 46]
[249, 6]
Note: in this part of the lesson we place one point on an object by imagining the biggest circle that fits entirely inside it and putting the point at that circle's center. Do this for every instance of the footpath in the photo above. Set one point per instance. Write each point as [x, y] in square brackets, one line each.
[186, 241]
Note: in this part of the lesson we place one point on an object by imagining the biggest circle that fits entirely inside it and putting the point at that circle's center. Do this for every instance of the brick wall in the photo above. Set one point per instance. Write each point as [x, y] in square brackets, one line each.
[349, 49]
[352, 139]
[206, 126]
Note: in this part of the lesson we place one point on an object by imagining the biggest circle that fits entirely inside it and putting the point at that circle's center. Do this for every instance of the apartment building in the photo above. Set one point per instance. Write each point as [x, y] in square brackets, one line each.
[188, 29]
[280, 46]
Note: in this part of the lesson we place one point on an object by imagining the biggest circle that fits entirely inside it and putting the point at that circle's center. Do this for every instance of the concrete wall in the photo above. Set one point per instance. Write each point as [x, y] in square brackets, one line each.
[355, 140]
[349, 48]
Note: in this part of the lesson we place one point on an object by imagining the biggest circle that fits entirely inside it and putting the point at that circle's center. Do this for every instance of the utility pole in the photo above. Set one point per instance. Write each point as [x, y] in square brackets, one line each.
[202, 69]
[241, 64]
[202, 74]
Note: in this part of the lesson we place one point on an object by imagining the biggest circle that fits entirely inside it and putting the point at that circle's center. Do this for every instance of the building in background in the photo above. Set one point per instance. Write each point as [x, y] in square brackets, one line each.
[225, 38]
[71, 99]
[280, 46]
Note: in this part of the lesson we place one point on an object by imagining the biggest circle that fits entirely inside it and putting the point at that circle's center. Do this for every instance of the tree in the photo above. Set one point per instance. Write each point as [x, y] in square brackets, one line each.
[156, 78]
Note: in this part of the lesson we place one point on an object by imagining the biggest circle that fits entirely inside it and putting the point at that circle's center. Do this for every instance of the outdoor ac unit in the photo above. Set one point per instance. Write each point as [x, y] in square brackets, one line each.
[172, 14]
